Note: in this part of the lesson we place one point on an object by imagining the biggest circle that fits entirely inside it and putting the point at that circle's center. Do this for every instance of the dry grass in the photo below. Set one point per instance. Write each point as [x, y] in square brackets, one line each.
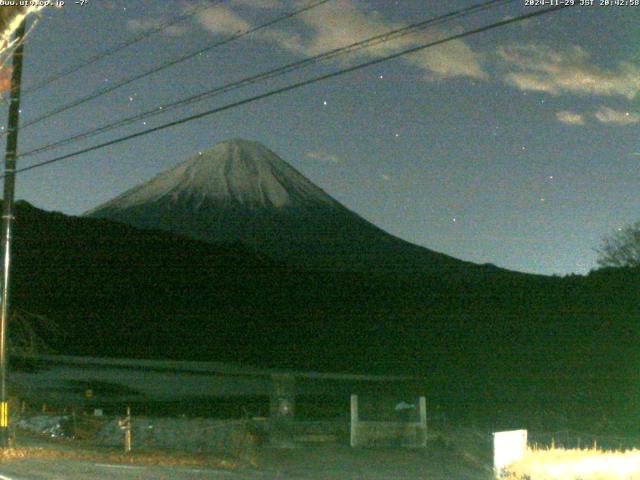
[160, 458]
[576, 464]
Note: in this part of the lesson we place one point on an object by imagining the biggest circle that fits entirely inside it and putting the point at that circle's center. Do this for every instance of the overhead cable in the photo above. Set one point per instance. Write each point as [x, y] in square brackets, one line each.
[253, 79]
[120, 47]
[126, 81]
[294, 86]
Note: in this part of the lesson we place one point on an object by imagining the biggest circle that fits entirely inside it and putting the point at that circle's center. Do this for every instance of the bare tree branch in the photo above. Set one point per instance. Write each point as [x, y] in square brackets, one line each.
[621, 249]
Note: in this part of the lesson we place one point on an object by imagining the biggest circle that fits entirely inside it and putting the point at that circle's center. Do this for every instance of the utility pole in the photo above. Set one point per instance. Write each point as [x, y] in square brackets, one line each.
[7, 221]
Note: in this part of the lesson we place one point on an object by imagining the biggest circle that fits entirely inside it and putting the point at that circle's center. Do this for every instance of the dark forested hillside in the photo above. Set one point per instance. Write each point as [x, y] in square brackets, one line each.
[487, 335]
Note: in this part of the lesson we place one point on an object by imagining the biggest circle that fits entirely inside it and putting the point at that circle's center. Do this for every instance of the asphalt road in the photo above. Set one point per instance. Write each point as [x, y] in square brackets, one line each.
[319, 463]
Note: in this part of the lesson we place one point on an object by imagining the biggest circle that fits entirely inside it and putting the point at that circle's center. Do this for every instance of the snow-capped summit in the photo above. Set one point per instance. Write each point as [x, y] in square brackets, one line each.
[233, 173]
[242, 191]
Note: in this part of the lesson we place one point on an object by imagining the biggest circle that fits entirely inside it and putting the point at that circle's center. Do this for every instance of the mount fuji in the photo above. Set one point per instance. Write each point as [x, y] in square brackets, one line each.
[240, 191]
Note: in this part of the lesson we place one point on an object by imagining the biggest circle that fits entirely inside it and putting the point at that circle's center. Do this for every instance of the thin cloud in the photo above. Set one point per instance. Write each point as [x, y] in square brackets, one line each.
[222, 20]
[616, 117]
[323, 157]
[343, 22]
[452, 59]
[540, 68]
[262, 4]
[145, 24]
[570, 118]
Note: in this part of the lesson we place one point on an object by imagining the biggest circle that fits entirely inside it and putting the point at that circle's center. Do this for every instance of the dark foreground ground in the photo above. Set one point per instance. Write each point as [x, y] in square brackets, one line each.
[440, 461]
[341, 462]
[37, 469]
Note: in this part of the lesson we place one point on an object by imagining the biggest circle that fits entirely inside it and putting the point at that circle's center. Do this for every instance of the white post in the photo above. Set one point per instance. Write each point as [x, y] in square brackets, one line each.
[127, 432]
[423, 420]
[125, 426]
[354, 420]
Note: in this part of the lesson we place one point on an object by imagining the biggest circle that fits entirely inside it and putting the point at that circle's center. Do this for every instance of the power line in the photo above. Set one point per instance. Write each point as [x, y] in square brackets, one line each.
[100, 92]
[367, 43]
[118, 48]
[292, 87]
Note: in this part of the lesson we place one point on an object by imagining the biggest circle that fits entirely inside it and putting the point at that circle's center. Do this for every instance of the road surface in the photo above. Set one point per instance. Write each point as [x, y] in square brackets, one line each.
[330, 462]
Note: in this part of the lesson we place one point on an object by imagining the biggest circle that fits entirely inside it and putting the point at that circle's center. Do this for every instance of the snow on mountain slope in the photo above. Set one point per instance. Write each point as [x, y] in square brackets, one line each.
[242, 191]
[237, 172]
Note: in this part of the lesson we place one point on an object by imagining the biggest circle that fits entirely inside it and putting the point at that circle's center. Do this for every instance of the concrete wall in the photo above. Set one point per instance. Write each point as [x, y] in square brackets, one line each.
[402, 433]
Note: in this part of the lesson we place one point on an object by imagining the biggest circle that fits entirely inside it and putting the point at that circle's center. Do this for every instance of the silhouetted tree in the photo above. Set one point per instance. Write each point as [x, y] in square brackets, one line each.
[622, 248]
[31, 333]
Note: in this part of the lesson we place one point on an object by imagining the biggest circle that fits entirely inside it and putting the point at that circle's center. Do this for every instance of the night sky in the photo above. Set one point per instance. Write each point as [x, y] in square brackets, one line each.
[517, 146]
